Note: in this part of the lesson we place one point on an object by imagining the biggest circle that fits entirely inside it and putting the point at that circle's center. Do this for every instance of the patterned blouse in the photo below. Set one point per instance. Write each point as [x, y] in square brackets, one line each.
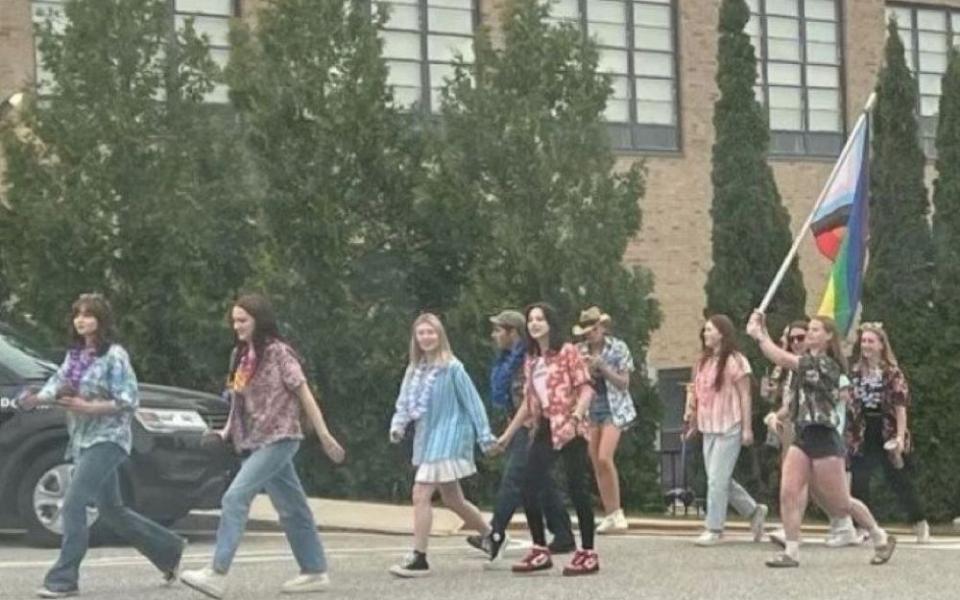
[567, 379]
[109, 376]
[893, 393]
[616, 355]
[267, 409]
[816, 386]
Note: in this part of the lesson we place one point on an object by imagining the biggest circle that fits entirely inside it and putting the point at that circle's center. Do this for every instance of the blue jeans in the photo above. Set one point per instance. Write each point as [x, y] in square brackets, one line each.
[720, 453]
[270, 468]
[95, 481]
[510, 494]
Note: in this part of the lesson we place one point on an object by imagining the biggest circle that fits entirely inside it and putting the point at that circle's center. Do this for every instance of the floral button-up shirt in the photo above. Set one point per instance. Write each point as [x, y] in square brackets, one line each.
[108, 377]
[568, 379]
[616, 355]
[894, 393]
[267, 408]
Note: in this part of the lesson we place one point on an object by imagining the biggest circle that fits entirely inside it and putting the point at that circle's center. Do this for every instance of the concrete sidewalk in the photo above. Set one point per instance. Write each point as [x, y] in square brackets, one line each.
[370, 517]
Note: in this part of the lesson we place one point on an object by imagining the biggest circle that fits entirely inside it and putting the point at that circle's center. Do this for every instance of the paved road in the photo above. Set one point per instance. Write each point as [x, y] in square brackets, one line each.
[633, 567]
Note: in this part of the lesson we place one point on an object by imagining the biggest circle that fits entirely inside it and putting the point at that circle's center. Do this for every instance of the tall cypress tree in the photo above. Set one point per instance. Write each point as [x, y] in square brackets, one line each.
[936, 420]
[751, 228]
[523, 194]
[898, 287]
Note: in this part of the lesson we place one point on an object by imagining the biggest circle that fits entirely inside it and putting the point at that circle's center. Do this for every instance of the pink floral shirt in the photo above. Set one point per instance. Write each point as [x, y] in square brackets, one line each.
[567, 380]
[267, 408]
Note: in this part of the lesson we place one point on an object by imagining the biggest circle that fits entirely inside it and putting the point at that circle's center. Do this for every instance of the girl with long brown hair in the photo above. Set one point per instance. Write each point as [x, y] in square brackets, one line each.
[721, 411]
[877, 431]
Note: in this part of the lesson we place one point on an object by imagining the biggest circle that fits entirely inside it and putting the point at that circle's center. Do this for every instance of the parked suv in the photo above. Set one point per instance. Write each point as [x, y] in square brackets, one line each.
[169, 473]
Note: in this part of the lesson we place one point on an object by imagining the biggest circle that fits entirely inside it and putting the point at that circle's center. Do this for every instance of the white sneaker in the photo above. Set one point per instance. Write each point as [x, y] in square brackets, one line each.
[308, 582]
[849, 536]
[708, 538]
[922, 530]
[757, 521]
[615, 522]
[206, 581]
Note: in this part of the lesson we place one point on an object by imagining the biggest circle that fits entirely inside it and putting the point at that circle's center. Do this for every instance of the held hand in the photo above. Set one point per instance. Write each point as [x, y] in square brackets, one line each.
[28, 401]
[772, 421]
[746, 438]
[333, 449]
[396, 436]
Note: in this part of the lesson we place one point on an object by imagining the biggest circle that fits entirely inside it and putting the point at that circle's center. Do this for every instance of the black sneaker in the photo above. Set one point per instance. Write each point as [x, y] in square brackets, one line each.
[561, 546]
[476, 541]
[492, 544]
[413, 565]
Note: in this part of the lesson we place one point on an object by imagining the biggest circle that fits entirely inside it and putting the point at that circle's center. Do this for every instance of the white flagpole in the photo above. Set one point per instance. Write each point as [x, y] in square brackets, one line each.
[823, 194]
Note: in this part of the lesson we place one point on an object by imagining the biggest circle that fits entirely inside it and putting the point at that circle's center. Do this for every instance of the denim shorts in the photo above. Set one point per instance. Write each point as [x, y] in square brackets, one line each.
[600, 413]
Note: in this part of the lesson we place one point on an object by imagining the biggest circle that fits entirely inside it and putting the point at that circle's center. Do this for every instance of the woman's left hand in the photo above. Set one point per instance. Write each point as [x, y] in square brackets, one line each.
[332, 448]
[746, 439]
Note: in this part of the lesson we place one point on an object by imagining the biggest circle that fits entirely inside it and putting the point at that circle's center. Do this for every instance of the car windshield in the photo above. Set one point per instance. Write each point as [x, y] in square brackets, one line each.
[17, 357]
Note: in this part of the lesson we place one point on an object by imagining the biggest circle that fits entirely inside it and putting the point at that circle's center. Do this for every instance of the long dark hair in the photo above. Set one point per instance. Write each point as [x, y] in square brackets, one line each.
[265, 329]
[98, 307]
[728, 346]
[555, 333]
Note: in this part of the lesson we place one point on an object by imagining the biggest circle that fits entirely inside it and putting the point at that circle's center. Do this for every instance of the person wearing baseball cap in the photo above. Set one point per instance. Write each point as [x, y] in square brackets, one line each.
[506, 394]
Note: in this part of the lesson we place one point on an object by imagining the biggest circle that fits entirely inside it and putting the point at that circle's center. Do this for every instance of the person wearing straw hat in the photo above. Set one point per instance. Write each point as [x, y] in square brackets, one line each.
[612, 410]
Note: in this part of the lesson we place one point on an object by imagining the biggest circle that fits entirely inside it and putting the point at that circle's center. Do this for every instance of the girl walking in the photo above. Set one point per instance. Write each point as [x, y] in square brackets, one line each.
[817, 456]
[877, 434]
[97, 388]
[557, 395]
[438, 396]
[270, 392]
[722, 413]
[611, 411]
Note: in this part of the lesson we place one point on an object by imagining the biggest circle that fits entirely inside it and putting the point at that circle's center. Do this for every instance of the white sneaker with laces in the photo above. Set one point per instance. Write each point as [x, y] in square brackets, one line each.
[757, 521]
[922, 530]
[615, 522]
[306, 583]
[708, 538]
[844, 537]
[206, 581]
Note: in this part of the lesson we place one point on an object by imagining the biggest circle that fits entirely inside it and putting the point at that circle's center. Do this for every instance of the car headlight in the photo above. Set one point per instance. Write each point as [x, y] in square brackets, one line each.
[163, 420]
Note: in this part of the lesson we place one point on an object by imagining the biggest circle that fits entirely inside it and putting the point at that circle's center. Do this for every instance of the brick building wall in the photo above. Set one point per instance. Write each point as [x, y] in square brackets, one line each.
[675, 240]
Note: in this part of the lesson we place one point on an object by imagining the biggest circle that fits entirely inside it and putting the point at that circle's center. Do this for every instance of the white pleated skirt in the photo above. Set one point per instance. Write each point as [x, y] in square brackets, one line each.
[443, 471]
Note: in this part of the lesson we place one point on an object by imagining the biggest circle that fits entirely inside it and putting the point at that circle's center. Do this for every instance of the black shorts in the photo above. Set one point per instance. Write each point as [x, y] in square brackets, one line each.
[820, 441]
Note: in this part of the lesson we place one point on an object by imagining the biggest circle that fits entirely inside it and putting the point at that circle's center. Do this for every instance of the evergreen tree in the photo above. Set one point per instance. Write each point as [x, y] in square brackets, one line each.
[337, 164]
[126, 184]
[751, 228]
[525, 205]
[898, 286]
[936, 421]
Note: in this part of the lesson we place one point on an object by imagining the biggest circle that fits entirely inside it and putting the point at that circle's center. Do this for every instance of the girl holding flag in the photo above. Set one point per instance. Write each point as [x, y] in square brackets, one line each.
[817, 455]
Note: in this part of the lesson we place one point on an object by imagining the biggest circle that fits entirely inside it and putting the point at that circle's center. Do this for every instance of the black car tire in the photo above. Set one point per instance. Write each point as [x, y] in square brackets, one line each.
[39, 534]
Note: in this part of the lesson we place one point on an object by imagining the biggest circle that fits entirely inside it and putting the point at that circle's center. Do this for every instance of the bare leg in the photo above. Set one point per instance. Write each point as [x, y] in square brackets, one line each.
[793, 488]
[452, 495]
[422, 515]
[608, 480]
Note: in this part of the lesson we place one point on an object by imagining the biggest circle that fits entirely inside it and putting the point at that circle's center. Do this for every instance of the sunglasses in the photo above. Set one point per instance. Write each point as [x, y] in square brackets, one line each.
[797, 338]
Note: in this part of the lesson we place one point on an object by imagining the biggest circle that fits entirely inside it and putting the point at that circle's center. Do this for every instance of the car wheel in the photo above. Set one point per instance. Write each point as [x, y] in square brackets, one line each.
[41, 495]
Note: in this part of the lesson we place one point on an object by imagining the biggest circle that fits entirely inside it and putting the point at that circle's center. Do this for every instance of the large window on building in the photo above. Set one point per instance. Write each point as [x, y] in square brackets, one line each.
[927, 33]
[422, 39]
[210, 17]
[799, 52]
[637, 42]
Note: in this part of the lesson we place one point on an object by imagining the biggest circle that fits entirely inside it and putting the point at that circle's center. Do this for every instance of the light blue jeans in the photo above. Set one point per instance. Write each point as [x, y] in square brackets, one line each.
[720, 453]
[270, 468]
[95, 481]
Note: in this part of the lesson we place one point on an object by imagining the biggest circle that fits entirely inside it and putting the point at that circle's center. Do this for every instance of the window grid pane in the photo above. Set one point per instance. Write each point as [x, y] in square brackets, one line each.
[797, 44]
[445, 28]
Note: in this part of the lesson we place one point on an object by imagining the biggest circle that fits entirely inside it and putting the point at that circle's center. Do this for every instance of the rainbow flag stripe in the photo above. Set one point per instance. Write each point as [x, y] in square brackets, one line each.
[840, 229]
